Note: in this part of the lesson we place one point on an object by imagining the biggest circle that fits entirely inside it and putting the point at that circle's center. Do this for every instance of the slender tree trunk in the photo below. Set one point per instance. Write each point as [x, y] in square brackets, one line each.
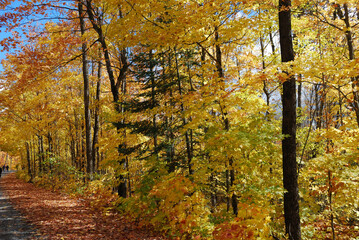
[129, 186]
[77, 142]
[290, 177]
[340, 121]
[85, 74]
[355, 80]
[115, 84]
[153, 100]
[34, 156]
[184, 120]
[40, 152]
[83, 150]
[228, 189]
[73, 151]
[49, 142]
[265, 88]
[28, 158]
[96, 127]
[212, 181]
[330, 194]
[49, 150]
[234, 195]
[231, 173]
[300, 110]
[170, 151]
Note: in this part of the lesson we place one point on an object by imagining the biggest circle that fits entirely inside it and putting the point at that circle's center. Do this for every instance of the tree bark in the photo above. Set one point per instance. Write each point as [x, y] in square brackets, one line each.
[85, 74]
[290, 177]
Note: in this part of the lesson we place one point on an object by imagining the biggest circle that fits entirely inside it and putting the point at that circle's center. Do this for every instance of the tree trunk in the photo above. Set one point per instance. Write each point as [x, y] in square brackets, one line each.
[85, 74]
[40, 153]
[77, 141]
[28, 158]
[355, 80]
[300, 110]
[153, 100]
[184, 120]
[266, 90]
[115, 85]
[230, 174]
[96, 127]
[290, 177]
[34, 157]
[330, 195]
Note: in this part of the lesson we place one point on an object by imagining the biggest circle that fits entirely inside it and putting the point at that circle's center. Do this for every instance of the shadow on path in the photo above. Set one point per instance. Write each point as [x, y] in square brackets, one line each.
[12, 225]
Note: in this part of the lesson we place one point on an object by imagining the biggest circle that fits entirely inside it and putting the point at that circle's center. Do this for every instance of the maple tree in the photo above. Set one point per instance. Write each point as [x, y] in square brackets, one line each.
[176, 106]
[290, 175]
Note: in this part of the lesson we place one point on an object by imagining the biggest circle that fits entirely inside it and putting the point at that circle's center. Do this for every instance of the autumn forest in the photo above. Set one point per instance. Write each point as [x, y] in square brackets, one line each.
[203, 119]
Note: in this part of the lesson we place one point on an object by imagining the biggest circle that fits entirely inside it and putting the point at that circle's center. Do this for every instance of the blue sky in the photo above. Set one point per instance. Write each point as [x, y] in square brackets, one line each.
[4, 33]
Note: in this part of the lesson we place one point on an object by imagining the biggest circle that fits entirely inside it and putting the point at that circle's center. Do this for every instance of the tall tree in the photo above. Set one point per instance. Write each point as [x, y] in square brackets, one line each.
[290, 177]
[95, 16]
[85, 73]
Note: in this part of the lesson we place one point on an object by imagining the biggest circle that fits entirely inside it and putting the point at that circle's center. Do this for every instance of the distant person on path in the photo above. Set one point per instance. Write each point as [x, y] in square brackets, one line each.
[3, 168]
[0, 171]
[7, 168]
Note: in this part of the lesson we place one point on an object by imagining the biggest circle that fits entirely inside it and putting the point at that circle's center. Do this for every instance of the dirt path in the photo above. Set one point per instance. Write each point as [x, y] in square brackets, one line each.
[57, 216]
[12, 225]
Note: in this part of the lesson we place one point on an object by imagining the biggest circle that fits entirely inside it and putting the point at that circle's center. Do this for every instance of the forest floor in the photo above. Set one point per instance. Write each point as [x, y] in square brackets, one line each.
[12, 225]
[51, 215]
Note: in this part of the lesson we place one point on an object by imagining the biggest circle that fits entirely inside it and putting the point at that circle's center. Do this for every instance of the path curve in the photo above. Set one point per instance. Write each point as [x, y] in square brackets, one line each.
[12, 225]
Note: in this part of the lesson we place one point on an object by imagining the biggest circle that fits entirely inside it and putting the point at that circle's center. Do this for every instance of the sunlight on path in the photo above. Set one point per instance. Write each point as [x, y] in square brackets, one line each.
[12, 225]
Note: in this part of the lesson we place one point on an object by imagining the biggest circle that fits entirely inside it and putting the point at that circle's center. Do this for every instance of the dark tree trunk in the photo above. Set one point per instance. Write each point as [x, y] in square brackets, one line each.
[330, 196]
[34, 157]
[230, 174]
[85, 74]
[73, 151]
[234, 195]
[49, 141]
[290, 177]
[170, 150]
[355, 80]
[212, 180]
[184, 120]
[114, 83]
[41, 154]
[28, 158]
[77, 141]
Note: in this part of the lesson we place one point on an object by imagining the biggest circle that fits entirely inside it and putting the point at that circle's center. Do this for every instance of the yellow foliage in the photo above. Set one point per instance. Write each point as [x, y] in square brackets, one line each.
[252, 223]
[181, 207]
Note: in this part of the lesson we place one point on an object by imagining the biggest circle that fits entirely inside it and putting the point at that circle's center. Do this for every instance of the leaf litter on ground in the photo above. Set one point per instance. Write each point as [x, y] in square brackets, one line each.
[57, 216]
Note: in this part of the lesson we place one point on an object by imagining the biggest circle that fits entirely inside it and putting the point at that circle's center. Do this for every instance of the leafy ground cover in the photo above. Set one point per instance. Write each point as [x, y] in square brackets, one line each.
[12, 224]
[58, 216]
